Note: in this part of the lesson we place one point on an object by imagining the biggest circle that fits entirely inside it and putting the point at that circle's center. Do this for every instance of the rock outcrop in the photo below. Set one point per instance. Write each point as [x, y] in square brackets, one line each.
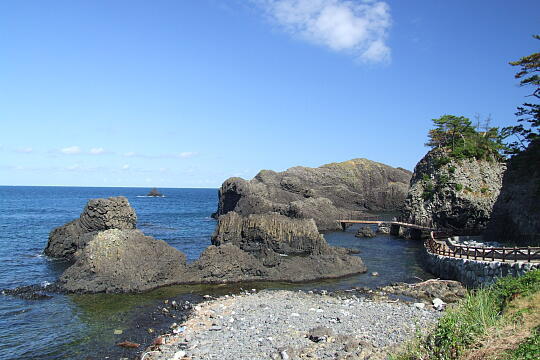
[155, 193]
[365, 232]
[98, 215]
[261, 247]
[455, 195]
[325, 194]
[120, 261]
[273, 247]
[258, 234]
[516, 213]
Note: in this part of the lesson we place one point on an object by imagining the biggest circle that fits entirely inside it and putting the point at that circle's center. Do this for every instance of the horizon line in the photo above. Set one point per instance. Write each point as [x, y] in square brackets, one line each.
[86, 186]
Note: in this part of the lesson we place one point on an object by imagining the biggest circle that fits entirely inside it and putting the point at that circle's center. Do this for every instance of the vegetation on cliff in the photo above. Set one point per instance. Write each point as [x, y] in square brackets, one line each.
[459, 139]
[509, 310]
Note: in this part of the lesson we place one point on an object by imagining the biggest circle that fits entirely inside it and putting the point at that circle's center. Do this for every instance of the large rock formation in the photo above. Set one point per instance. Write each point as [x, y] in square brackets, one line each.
[124, 261]
[325, 194]
[98, 215]
[453, 194]
[271, 247]
[264, 247]
[260, 233]
[516, 213]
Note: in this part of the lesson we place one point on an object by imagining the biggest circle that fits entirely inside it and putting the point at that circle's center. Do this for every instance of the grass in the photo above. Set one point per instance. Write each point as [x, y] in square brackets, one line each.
[498, 322]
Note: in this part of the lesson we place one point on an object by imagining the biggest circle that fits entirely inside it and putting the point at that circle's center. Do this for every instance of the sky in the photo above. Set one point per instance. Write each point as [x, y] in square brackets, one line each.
[186, 93]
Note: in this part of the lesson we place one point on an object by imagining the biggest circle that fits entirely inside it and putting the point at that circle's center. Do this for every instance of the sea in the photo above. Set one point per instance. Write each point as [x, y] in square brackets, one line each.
[90, 326]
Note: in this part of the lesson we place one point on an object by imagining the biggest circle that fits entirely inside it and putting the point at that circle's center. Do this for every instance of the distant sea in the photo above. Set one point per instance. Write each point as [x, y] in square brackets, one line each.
[82, 326]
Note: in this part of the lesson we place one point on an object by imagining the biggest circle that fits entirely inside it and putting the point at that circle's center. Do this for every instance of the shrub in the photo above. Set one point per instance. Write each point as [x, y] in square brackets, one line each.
[459, 187]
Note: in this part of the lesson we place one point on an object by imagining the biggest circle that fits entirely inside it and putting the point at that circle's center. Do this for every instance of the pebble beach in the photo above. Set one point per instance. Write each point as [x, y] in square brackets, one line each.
[293, 325]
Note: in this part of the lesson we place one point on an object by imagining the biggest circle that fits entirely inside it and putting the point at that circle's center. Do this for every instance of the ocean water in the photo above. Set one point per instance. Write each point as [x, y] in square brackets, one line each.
[82, 326]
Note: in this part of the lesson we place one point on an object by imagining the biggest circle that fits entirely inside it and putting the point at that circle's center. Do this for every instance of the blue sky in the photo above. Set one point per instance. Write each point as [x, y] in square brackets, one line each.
[188, 93]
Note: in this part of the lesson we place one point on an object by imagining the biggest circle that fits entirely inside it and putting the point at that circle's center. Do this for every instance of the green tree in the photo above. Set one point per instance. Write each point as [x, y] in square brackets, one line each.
[460, 139]
[449, 131]
[529, 113]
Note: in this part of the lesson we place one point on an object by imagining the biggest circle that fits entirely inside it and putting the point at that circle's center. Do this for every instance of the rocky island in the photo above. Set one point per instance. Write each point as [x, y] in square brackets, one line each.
[344, 190]
[155, 193]
[110, 255]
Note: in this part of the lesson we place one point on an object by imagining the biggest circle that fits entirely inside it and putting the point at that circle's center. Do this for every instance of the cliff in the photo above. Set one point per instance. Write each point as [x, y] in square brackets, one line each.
[325, 194]
[453, 194]
[516, 213]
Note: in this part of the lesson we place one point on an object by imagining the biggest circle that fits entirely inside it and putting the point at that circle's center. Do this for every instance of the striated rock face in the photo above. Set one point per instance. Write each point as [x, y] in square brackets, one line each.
[263, 247]
[516, 214]
[458, 195]
[98, 215]
[119, 261]
[258, 233]
[281, 248]
[325, 194]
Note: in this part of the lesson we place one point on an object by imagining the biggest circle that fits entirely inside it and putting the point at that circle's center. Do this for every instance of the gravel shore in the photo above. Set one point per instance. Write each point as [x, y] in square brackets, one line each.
[292, 325]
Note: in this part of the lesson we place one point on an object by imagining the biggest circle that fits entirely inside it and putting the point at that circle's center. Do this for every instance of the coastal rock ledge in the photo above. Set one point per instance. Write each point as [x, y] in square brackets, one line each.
[264, 247]
[339, 190]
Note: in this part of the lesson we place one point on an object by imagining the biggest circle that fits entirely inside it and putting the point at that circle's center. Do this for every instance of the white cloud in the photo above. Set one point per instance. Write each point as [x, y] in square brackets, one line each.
[71, 150]
[356, 27]
[125, 167]
[130, 154]
[97, 151]
[26, 150]
[186, 154]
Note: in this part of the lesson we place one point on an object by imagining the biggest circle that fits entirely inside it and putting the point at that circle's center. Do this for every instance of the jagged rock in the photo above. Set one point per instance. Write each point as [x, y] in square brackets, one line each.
[98, 215]
[516, 213]
[272, 247]
[154, 192]
[120, 261]
[325, 194]
[457, 196]
[258, 233]
[365, 232]
[226, 263]
[269, 247]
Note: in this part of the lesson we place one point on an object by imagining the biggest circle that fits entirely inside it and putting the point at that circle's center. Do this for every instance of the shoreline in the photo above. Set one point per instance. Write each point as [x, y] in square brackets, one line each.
[287, 324]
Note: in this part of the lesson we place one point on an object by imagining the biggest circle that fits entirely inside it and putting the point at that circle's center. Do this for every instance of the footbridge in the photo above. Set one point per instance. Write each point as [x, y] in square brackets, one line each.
[395, 226]
[440, 243]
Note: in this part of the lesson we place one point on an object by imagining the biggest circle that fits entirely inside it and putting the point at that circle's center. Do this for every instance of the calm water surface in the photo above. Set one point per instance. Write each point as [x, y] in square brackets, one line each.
[78, 327]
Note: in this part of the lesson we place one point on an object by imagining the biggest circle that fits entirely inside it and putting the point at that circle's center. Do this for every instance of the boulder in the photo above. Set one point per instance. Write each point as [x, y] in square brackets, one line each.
[121, 261]
[365, 232]
[98, 215]
[516, 213]
[339, 190]
[454, 195]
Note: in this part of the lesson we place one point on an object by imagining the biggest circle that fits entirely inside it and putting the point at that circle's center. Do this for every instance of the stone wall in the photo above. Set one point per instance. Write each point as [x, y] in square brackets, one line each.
[475, 273]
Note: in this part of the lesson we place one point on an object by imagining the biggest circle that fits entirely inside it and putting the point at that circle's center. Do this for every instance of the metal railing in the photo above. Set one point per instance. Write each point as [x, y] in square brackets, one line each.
[504, 254]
